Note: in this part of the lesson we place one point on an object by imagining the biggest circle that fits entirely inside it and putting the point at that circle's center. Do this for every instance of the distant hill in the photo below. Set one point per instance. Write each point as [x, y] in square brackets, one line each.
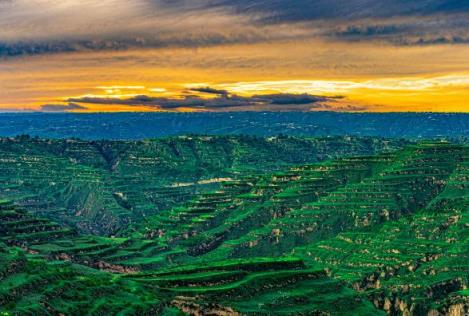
[150, 125]
[102, 186]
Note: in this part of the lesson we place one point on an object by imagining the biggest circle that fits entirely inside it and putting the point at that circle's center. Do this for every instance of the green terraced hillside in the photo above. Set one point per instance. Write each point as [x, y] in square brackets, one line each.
[101, 186]
[371, 232]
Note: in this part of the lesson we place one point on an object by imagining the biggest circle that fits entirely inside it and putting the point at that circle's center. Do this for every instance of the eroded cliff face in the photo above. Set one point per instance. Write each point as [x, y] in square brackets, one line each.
[452, 309]
[189, 306]
[405, 300]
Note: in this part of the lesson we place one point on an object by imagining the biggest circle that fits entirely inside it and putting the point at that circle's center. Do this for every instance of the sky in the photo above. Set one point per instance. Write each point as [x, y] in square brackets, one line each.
[234, 55]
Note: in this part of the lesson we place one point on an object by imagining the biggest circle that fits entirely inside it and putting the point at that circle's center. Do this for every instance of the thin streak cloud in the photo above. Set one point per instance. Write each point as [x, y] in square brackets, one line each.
[340, 86]
[46, 26]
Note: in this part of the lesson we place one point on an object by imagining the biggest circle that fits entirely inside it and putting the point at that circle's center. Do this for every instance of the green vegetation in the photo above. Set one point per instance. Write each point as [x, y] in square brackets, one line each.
[101, 187]
[372, 231]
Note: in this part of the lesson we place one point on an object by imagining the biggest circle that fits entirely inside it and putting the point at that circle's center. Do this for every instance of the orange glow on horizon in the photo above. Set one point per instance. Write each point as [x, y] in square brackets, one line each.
[390, 79]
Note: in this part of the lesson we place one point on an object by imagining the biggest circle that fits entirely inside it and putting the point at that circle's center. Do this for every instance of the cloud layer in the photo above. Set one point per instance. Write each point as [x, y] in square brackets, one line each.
[46, 26]
[62, 107]
[381, 55]
[222, 100]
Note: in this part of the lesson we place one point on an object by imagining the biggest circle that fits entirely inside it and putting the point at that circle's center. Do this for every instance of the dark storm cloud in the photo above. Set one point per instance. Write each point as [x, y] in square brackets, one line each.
[286, 99]
[435, 40]
[353, 108]
[223, 100]
[414, 22]
[150, 23]
[210, 91]
[24, 48]
[360, 31]
[296, 10]
[405, 31]
[62, 107]
[49, 47]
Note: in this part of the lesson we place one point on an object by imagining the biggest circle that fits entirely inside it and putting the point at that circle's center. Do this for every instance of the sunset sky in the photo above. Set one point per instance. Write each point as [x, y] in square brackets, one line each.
[234, 55]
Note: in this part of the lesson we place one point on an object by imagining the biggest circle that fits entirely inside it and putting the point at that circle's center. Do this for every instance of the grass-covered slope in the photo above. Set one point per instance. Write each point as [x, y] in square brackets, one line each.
[365, 235]
[29, 285]
[417, 263]
[395, 230]
[66, 274]
[102, 186]
[257, 286]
